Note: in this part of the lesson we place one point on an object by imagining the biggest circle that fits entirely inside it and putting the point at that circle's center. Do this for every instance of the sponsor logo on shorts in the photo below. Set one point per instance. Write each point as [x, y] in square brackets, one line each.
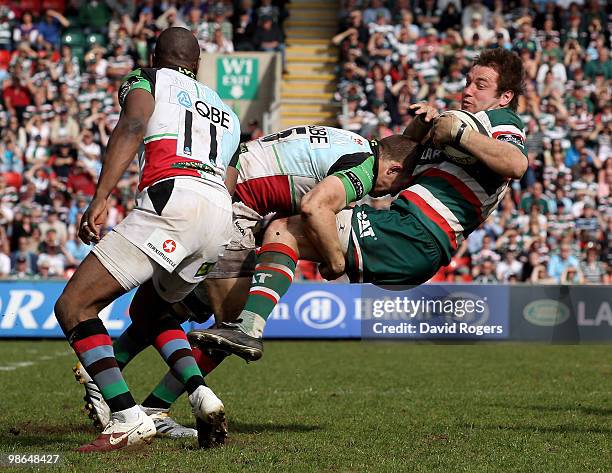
[204, 270]
[165, 249]
[169, 246]
[365, 227]
[356, 182]
[161, 253]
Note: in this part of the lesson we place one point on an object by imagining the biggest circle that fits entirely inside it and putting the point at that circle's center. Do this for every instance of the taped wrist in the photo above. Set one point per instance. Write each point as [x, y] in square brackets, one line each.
[459, 134]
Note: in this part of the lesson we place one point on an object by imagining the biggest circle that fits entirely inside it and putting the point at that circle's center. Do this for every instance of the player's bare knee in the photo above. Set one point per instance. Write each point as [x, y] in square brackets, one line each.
[67, 312]
[277, 229]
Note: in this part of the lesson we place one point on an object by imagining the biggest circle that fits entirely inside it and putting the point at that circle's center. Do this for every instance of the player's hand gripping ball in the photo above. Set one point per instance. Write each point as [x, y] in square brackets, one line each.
[451, 131]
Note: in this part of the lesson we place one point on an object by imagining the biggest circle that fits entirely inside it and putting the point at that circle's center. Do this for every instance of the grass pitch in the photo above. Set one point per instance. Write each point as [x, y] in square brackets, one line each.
[343, 407]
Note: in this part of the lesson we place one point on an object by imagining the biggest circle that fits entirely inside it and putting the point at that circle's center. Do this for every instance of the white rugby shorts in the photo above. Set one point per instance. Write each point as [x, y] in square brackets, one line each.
[175, 235]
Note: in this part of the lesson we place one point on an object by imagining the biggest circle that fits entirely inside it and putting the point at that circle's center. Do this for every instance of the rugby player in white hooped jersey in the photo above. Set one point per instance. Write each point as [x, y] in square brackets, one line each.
[166, 245]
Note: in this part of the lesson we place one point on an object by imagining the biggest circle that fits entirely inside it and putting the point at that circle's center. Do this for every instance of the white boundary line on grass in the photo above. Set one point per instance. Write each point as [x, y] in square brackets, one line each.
[13, 365]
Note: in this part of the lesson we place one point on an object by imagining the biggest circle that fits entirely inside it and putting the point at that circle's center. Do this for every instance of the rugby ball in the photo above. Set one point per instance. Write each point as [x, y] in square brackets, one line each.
[458, 153]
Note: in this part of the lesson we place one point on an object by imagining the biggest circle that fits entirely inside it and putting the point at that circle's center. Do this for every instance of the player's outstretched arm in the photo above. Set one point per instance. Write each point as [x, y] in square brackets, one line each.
[501, 157]
[318, 211]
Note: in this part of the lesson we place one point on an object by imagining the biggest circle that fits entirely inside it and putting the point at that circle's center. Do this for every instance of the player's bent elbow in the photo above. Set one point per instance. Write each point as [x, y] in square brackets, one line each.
[520, 167]
[308, 207]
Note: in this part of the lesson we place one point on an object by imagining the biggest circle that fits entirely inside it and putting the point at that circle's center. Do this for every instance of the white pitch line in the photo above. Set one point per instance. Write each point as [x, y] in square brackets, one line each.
[15, 365]
[12, 366]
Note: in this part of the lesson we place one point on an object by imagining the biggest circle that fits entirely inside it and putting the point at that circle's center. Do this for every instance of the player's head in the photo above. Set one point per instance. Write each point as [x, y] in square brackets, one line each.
[177, 47]
[397, 157]
[494, 81]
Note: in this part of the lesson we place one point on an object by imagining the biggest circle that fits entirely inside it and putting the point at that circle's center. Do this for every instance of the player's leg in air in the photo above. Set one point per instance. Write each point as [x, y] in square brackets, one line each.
[285, 240]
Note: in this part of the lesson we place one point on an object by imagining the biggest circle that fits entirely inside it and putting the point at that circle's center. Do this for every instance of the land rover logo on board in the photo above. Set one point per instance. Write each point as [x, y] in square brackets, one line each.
[546, 312]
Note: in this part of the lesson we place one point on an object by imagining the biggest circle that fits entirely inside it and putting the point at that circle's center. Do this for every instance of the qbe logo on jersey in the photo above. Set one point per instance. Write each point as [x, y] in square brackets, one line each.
[320, 310]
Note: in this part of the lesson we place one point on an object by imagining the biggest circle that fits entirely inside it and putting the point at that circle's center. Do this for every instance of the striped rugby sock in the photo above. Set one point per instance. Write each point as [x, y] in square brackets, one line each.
[273, 275]
[171, 342]
[93, 346]
[170, 388]
[128, 345]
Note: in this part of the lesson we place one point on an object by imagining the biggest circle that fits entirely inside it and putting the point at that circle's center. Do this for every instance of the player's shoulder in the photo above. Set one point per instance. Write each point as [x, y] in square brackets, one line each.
[140, 78]
[140, 73]
[503, 116]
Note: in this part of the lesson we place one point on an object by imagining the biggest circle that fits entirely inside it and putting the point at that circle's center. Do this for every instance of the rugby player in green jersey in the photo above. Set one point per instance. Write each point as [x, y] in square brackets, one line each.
[446, 200]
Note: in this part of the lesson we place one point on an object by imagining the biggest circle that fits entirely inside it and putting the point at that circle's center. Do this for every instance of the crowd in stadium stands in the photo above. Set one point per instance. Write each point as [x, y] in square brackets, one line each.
[61, 62]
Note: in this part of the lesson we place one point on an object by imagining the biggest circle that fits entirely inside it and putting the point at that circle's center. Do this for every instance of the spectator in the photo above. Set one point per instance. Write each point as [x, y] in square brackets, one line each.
[474, 7]
[269, 37]
[54, 225]
[592, 269]
[17, 96]
[21, 269]
[268, 10]
[90, 152]
[375, 9]
[536, 196]
[219, 44]
[22, 253]
[81, 180]
[53, 256]
[5, 260]
[6, 29]
[508, 266]
[94, 16]
[560, 262]
[244, 29]
[486, 274]
[44, 270]
[476, 29]
[64, 129]
[120, 63]
[51, 26]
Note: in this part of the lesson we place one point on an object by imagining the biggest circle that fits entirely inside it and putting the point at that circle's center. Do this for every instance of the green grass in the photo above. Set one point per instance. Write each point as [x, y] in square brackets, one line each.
[345, 407]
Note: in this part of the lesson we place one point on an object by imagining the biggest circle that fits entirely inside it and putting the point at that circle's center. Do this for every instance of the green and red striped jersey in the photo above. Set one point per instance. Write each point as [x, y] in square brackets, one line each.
[452, 199]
